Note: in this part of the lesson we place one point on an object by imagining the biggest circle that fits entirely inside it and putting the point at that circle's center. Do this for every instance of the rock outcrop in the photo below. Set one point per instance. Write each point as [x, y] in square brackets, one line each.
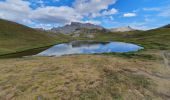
[122, 29]
[75, 27]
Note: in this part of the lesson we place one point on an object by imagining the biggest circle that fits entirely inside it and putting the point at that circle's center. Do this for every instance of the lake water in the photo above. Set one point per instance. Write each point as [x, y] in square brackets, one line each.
[89, 47]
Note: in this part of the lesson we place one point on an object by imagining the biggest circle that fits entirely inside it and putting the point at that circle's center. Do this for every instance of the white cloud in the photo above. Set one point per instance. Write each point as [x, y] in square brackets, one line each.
[92, 22]
[110, 12]
[92, 7]
[45, 26]
[111, 18]
[129, 15]
[39, 1]
[15, 10]
[56, 0]
[104, 13]
[151, 9]
[20, 11]
[164, 12]
[62, 14]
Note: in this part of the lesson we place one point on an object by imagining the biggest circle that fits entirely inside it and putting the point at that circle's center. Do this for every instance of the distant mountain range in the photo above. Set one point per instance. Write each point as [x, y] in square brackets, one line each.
[15, 37]
[166, 26]
[76, 27]
[122, 29]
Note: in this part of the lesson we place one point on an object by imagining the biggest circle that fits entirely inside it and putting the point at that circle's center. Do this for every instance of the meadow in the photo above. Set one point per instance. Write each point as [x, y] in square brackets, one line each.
[142, 75]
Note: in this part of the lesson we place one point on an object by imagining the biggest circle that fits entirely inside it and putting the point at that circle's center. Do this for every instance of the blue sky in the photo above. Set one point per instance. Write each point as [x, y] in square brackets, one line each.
[140, 14]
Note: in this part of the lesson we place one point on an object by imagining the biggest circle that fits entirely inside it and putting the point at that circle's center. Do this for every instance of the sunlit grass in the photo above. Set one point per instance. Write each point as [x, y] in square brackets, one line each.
[83, 77]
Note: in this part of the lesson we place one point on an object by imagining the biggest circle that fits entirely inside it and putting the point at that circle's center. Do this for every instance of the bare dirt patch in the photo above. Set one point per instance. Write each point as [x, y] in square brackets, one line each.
[166, 57]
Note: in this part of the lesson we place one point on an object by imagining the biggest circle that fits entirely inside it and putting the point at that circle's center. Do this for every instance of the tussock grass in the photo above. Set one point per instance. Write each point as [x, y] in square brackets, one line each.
[81, 77]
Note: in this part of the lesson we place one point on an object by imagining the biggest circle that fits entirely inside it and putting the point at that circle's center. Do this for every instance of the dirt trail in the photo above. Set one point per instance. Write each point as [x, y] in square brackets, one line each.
[166, 57]
[162, 80]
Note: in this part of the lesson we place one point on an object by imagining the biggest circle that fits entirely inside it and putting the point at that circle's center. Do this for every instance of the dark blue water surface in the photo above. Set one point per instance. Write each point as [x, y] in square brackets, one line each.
[87, 47]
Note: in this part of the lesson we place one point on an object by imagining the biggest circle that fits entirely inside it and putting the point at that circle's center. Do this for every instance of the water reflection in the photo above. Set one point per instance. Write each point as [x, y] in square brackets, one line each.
[89, 48]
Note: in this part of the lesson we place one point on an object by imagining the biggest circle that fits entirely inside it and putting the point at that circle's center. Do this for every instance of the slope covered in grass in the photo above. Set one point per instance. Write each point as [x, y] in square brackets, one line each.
[158, 39]
[153, 39]
[15, 37]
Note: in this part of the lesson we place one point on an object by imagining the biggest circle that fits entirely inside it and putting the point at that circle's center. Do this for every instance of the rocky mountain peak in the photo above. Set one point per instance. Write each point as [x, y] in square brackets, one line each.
[75, 23]
[74, 26]
[122, 29]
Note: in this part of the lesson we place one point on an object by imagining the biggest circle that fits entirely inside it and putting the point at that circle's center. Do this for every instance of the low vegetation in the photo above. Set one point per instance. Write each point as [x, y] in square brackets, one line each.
[154, 41]
[142, 75]
[158, 39]
[134, 55]
[84, 77]
[16, 38]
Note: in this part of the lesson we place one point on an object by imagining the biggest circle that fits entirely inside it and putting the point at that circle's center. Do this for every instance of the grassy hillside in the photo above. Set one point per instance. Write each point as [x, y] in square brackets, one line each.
[153, 39]
[158, 39]
[141, 75]
[15, 38]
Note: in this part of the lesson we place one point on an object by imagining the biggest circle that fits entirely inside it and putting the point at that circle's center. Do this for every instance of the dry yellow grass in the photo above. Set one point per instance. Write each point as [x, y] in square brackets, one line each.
[82, 77]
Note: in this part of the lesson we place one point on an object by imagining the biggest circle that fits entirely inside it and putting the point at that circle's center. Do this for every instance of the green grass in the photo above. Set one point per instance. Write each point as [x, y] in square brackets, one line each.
[16, 38]
[153, 39]
[108, 76]
[134, 55]
[158, 39]
[28, 52]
